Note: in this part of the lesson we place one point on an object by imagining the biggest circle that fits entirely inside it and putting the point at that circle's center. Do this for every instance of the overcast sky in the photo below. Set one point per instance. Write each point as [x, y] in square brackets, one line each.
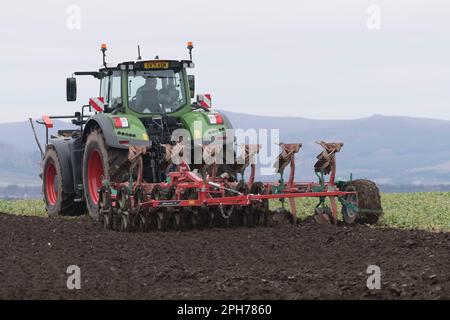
[315, 59]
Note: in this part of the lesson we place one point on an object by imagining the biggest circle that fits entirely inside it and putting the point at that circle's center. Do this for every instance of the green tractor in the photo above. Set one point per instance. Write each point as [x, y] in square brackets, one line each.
[141, 103]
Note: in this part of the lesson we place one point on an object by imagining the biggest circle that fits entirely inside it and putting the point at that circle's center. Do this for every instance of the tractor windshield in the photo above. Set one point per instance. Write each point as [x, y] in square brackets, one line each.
[156, 91]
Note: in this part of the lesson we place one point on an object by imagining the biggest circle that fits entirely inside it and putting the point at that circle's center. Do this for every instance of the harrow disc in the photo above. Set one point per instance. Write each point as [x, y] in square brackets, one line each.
[140, 215]
[123, 204]
[192, 220]
[173, 216]
[105, 207]
[191, 217]
[139, 221]
[152, 213]
[260, 210]
[108, 221]
[123, 198]
[162, 221]
[208, 214]
[211, 214]
[151, 221]
[165, 217]
[138, 197]
[177, 220]
[240, 216]
[124, 221]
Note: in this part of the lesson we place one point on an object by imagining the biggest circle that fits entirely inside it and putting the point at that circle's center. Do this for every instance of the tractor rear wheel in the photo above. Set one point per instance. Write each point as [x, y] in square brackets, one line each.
[367, 201]
[98, 164]
[58, 203]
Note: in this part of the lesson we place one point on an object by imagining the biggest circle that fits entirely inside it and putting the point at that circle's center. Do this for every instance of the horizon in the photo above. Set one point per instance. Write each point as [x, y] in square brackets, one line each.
[387, 149]
[270, 116]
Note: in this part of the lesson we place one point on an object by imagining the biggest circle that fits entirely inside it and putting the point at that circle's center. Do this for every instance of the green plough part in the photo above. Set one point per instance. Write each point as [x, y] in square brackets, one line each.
[356, 208]
[279, 190]
[321, 182]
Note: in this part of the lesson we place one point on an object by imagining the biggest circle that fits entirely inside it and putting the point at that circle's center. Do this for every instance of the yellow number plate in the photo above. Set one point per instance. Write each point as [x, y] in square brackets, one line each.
[156, 65]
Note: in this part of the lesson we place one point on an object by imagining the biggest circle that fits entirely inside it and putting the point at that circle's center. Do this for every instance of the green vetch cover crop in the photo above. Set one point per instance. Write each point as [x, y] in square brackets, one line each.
[23, 207]
[424, 210]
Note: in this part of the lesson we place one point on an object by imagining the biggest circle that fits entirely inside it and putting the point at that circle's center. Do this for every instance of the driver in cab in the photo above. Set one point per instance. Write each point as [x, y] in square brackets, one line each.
[147, 97]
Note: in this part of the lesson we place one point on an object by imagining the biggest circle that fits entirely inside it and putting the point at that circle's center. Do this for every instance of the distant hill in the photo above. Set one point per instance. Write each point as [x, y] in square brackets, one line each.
[21, 136]
[389, 150]
[18, 166]
[20, 157]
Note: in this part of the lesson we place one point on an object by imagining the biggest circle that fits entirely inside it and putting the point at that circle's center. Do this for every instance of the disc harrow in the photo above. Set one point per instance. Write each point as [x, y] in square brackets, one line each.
[189, 200]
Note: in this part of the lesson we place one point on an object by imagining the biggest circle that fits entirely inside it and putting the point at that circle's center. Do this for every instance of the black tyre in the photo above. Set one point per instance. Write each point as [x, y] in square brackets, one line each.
[57, 202]
[367, 200]
[124, 222]
[99, 163]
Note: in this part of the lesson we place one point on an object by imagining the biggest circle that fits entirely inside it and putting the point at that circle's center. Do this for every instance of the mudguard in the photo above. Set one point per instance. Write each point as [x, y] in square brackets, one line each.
[104, 122]
[200, 117]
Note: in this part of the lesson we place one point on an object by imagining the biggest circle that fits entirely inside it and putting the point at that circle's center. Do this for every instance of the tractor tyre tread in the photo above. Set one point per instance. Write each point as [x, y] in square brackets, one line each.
[65, 204]
[115, 159]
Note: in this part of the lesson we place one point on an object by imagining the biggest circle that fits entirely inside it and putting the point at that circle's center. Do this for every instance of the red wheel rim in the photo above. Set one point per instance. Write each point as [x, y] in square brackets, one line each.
[50, 177]
[94, 175]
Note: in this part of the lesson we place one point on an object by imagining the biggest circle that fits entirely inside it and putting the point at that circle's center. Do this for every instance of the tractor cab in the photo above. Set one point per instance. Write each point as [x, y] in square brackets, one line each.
[146, 88]
[142, 88]
[145, 100]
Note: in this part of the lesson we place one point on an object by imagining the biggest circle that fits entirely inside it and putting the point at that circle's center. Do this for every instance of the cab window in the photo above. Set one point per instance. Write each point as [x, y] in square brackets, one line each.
[104, 88]
[156, 91]
[115, 91]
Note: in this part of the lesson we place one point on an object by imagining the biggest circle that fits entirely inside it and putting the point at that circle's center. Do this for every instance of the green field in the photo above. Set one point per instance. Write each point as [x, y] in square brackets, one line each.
[425, 210]
[428, 211]
[23, 207]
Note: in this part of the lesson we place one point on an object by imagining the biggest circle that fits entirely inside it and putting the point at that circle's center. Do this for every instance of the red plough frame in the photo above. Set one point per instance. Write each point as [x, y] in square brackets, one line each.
[212, 190]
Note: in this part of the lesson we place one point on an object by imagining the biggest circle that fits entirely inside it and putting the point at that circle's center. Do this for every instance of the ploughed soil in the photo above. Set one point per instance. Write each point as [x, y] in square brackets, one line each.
[306, 261]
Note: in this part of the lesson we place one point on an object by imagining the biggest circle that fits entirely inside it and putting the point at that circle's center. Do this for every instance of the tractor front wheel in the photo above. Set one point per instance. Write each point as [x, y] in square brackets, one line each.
[364, 206]
[57, 202]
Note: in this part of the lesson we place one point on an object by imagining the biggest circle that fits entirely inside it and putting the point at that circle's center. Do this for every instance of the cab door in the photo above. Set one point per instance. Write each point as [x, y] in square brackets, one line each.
[111, 92]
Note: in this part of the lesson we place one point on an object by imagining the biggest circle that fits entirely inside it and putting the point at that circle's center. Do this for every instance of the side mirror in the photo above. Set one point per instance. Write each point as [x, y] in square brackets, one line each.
[191, 80]
[71, 89]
